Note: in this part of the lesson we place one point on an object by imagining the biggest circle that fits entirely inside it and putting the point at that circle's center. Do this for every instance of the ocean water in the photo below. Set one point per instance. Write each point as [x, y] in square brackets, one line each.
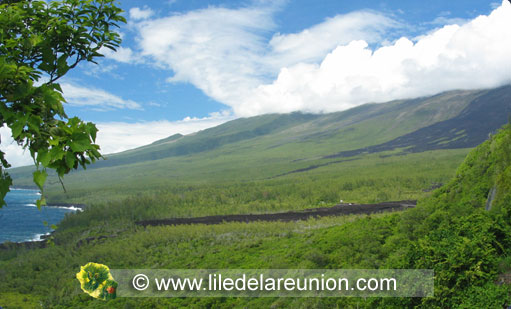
[20, 220]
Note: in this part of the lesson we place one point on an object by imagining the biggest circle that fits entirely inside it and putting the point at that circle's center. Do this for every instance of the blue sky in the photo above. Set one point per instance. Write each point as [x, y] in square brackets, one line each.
[186, 65]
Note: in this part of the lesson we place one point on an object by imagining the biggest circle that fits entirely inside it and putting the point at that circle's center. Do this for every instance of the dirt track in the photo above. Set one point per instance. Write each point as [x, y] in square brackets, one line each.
[337, 210]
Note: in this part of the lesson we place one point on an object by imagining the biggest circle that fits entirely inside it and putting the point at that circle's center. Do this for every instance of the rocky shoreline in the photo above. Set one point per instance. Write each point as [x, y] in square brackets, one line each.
[35, 244]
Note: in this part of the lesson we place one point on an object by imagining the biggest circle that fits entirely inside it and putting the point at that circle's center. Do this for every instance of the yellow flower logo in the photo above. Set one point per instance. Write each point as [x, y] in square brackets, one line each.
[96, 280]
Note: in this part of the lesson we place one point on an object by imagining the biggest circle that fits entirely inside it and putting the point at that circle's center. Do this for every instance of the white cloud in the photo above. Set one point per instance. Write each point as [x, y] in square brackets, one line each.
[138, 13]
[224, 52]
[98, 71]
[314, 43]
[98, 99]
[122, 54]
[14, 154]
[445, 20]
[474, 55]
[232, 57]
[115, 137]
[495, 5]
[216, 49]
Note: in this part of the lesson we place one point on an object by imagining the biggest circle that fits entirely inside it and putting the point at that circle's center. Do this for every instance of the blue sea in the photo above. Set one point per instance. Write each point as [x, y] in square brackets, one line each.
[21, 221]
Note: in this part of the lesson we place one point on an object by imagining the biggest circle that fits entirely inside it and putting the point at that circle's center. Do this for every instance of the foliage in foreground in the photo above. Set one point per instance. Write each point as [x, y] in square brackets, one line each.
[40, 42]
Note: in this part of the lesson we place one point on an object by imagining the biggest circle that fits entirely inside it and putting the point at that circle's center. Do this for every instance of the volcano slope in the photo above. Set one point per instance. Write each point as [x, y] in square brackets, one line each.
[278, 145]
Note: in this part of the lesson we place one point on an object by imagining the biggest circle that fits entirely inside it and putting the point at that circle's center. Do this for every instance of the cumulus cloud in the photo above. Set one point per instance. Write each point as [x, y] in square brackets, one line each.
[226, 52]
[96, 98]
[473, 55]
[138, 13]
[233, 57]
[122, 54]
[14, 154]
[115, 137]
[314, 43]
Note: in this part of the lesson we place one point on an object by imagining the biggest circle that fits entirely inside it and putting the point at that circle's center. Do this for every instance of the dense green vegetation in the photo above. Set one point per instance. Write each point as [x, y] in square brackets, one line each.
[368, 179]
[450, 232]
[276, 163]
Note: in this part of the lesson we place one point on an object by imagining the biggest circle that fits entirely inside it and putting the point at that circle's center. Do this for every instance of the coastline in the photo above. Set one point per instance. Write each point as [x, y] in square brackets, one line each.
[34, 244]
[28, 244]
[39, 240]
[75, 206]
[24, 188]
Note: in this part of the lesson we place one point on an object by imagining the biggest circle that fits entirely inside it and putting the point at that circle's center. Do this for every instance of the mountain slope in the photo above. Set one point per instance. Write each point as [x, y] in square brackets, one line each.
[463, 230]
[207, 140]
[271, 145]
[360, 126]
[450, 232]
[486, 113]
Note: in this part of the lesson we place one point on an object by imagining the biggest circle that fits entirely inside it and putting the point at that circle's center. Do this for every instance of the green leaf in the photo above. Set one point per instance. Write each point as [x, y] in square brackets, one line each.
[16, 129]
[62, 66]
[91, 130]
[57, 153]
[41, 202]
[40, 178]
[57, 132]
[33, 123]
[80, 145]
[70, 160]
[44, 158]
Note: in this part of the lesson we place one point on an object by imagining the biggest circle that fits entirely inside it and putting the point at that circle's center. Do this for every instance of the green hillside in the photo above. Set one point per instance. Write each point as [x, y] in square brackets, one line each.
[272, 146]
[450, 231]
[356, 127]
